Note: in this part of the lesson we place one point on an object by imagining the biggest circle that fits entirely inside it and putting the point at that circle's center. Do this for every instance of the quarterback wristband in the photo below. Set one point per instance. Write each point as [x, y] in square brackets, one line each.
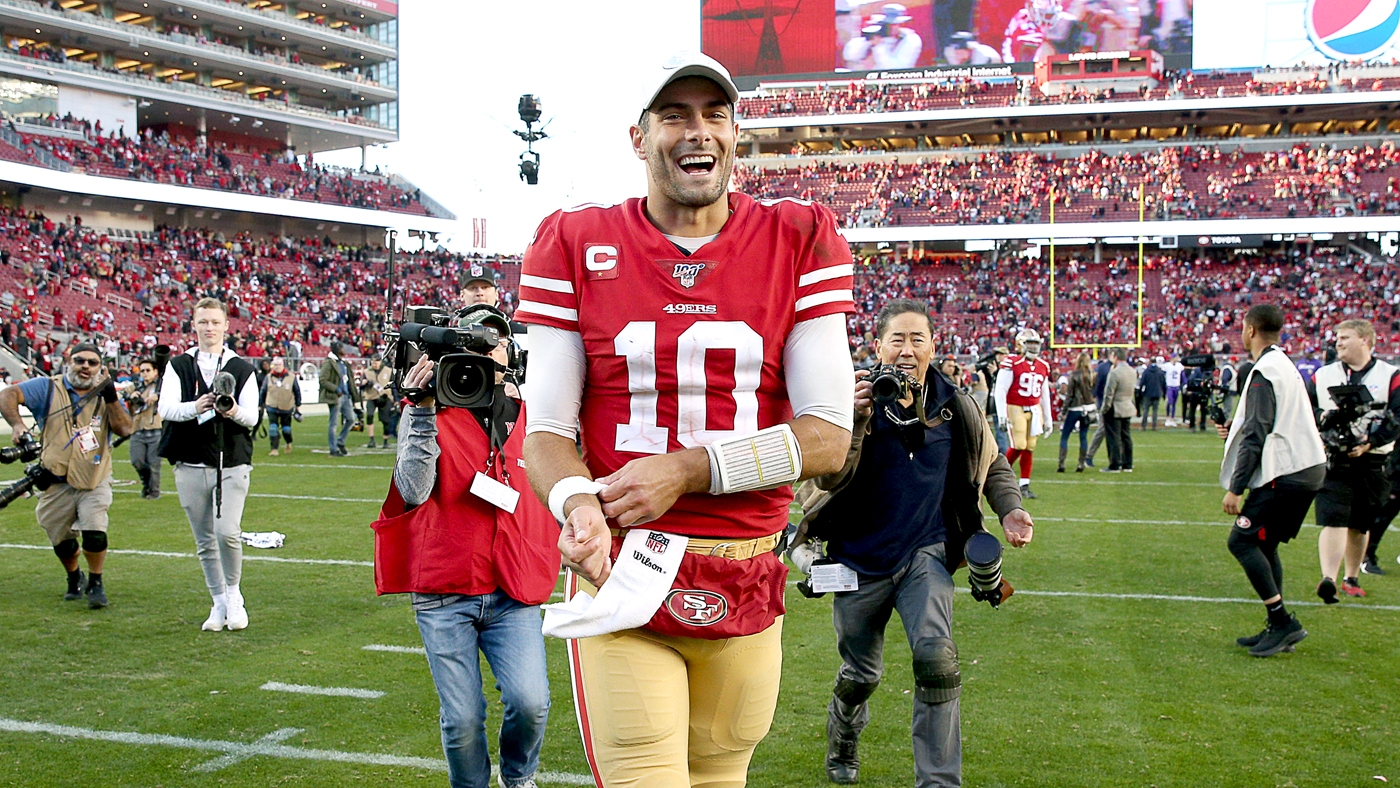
[568, 487]
[766, 459]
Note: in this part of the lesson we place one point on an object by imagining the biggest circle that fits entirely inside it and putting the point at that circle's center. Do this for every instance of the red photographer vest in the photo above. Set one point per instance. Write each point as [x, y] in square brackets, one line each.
[457, 543]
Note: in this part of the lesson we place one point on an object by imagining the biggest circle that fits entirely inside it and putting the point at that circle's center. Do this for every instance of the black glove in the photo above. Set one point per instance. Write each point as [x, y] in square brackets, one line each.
[109, 392]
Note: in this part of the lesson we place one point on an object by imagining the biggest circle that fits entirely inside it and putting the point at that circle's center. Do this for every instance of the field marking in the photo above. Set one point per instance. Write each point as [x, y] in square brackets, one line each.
[281, 496]
[307, 689]
[1176, 598]
[395, 649]
[260, 748]
[228, 759]
[246, 557]
[328, 466]
[1119, 483]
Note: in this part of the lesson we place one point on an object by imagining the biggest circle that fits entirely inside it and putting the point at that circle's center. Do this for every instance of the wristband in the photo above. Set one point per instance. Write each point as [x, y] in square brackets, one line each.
[568, 487]
[766, 459]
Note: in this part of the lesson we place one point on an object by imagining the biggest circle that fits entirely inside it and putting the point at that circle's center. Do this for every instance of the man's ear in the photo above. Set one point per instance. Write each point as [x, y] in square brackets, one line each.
[639, 147]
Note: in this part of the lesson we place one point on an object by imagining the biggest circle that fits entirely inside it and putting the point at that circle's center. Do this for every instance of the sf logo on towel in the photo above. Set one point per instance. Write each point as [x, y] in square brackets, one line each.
[697, 608]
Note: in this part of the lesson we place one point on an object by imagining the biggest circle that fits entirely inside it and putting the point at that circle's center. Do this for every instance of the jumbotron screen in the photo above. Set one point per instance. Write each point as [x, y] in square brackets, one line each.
[789, 37]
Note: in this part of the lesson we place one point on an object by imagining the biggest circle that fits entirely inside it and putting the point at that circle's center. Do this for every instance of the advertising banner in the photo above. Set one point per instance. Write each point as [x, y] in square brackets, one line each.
[1257, 33]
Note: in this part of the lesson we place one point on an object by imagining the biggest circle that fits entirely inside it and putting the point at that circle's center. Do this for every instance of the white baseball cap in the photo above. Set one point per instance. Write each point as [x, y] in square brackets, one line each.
[691, 64]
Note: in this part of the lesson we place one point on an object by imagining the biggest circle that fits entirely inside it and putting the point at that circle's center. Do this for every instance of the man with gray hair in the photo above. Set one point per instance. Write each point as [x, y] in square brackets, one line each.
[1118, 412]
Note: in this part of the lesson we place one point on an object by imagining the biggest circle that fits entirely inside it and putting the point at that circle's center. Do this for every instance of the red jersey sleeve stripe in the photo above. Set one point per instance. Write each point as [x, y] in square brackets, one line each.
[547, 310]
[823, 274]
[545, 283]
[825, 297]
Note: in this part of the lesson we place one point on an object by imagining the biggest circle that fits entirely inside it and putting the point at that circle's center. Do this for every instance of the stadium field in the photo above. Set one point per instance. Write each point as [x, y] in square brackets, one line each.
[1114, 665]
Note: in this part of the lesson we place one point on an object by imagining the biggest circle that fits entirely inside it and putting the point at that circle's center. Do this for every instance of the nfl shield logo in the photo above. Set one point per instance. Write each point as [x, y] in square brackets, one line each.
[687, 272]
[476, 270]
[657, 542]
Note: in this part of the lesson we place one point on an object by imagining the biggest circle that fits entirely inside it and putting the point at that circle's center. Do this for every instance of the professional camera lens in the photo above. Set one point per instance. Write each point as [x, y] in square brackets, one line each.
[889, 385]
[465, 381]
[983, 554]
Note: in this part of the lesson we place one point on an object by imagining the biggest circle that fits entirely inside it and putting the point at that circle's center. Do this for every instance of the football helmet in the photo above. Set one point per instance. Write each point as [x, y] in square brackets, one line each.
[1043, 12]
[1028, 342]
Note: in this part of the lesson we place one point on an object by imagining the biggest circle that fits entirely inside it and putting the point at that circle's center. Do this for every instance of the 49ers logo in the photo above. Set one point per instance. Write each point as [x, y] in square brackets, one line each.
[697, 608]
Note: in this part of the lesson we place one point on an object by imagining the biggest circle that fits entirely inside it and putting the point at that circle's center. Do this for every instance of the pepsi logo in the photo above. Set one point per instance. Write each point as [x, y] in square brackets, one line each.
[697, 608]
[1352, 29]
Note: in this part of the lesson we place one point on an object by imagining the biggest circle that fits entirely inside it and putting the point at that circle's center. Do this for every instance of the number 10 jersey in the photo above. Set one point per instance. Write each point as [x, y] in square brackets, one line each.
[683, 350]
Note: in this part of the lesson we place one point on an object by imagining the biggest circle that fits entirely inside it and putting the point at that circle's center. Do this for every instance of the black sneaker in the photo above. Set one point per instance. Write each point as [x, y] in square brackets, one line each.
[1026, 492]
[75, 587]
[1327, 591]
[1277, 639]
[1250, 641]
[1371, 567]
[96, 596]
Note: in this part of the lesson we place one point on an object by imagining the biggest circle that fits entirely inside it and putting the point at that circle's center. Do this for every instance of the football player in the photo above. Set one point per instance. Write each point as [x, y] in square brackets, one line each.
[697, 338]
[1023, 402]
[1024, 41]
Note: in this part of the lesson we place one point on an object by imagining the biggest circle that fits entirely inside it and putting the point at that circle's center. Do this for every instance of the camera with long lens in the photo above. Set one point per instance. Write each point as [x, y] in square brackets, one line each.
[983, 554]
[36, 477]
[464, 376]
[890, 384]
[1204, 390]
[1355, 416]
[27, 451]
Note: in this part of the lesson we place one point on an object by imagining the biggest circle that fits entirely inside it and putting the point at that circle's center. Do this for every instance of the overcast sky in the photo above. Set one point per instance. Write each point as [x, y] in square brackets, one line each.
[463, 65]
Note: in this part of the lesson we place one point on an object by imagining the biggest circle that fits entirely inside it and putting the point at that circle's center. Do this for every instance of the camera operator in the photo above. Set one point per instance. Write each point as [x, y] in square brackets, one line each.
[142, 401]
[76, 413]
[897, 516]
[488, 561]
[209, 401]
[984, 383]
[1356, 488]
[1272, 449]
[377, 391]
[280, 396]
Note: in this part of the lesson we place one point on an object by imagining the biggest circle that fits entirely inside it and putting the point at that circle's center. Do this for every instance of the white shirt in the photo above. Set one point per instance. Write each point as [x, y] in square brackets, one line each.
[1173, 370]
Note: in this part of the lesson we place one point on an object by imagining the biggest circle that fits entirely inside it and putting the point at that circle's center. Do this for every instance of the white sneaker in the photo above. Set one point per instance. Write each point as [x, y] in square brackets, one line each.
[218, 614]
[237, 617]
[501, 781]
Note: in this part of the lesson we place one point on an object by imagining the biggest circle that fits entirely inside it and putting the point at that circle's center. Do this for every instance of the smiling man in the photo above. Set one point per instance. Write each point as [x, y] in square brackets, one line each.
[699, 339]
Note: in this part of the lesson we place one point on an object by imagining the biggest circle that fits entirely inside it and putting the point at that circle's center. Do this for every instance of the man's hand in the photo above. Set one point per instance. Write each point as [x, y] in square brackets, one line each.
[19, 435]
[585, 543]
[865, 398]
[204, 403]
[418, 377]
[1018, 527]
[1223, 430]
[1231, 503]
[1359, 450]
[645, 488]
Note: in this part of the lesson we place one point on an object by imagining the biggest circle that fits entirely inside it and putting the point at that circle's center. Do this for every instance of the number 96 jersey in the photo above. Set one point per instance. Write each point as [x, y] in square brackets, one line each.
[683, 350]
[1028, 379]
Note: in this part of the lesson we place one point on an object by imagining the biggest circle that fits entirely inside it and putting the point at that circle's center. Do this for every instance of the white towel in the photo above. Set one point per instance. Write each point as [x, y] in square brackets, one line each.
[265, 539]
[640, 578]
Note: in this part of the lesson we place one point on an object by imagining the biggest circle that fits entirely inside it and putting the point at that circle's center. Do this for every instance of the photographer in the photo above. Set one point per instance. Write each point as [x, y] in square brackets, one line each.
[463, 533]
[897, 517]
[76, 413]
[209, 401]
[984, 382]
[377, 391]
[1356, 488]
[142, 400]
[1272, 449]
[280, 396]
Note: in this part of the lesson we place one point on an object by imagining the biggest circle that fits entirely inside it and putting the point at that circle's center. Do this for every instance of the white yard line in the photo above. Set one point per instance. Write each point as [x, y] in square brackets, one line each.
[307, 689]
[246, 557]
[294, 497]
[228, 759]
[395, 649]
[260, 748]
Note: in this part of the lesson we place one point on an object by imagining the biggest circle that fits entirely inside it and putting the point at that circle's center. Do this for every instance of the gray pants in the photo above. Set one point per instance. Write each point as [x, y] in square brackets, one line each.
[144, 445]
[218, 540]
[1099, 435]
[922, 592]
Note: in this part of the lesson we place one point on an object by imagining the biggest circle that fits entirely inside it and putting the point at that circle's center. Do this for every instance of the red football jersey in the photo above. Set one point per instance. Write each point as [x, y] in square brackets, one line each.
[1028, 380]
[686, 350]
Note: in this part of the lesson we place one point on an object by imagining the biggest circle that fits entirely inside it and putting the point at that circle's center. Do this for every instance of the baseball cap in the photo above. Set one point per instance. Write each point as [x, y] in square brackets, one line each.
[475, 271]
[484, 315]
[689, 64]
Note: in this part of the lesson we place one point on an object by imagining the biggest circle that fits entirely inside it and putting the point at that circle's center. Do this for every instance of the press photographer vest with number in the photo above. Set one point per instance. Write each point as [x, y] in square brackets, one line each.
[76, 443]
[198, 443]
[1379, 379]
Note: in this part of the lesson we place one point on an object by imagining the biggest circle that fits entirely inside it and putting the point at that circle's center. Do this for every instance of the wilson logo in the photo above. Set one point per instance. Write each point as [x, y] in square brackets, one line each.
[697, 608]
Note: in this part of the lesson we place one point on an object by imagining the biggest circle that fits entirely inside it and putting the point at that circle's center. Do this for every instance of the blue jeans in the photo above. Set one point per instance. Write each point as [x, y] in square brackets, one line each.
[508, 633]
[1075, 419]
[346, 410]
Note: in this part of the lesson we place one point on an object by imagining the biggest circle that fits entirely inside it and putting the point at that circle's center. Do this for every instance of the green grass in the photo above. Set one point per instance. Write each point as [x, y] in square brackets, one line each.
[1058, 690]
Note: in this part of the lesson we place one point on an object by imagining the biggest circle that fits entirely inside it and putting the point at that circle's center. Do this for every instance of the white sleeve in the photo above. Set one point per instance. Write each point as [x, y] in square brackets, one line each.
[820, 376]
[1002, 389]
[1045, 403]
[553, 407]
[169, 406]
[246, 414]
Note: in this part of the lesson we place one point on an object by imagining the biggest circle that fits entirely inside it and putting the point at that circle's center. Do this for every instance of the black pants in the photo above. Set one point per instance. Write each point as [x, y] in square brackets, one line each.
[1354, 493]
[279, 426]
[1387, 515]
[1270, 516]
[1120, 442]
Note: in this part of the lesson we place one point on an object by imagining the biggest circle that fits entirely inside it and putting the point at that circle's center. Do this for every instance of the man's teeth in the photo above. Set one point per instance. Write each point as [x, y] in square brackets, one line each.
[696, 160]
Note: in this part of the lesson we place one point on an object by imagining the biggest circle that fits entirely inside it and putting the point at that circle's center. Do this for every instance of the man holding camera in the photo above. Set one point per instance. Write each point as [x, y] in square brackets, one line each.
[896, 517]
[1272, 449]
[377, 392]
[209, 401]
[463, 533]
[76, 413]
[280, 396]
[336, 382]
[143, 400]
[1357, 487]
